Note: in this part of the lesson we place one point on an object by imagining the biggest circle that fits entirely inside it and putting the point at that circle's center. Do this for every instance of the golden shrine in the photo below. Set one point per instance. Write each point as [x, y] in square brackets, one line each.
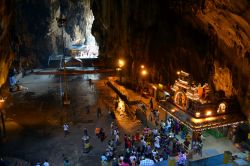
[198, 107]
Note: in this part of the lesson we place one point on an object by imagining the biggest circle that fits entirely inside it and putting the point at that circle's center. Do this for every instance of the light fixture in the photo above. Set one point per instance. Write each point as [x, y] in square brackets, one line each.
[142, 66]
[208, 113]
[178, 72]
[2, 100]
[160, 86]
[172, 110]
[197, 114]
[144, 72]
[121, 63]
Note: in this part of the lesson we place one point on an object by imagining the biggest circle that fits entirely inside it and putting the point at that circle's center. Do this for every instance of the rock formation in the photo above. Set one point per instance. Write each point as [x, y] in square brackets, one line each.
[6, 53]
[38, 37]
[207, 38]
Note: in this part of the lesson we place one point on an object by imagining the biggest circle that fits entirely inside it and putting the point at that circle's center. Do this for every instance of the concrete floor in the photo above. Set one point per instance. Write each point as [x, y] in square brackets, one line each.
[35, 118]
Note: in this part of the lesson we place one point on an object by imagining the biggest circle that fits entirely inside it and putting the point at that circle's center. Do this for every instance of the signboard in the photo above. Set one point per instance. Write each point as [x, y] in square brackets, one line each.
[180, 99]
[221, 108]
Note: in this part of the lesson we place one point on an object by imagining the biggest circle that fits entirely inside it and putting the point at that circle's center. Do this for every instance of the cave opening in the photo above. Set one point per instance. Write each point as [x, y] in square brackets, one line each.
[84, 45]
[74, 39]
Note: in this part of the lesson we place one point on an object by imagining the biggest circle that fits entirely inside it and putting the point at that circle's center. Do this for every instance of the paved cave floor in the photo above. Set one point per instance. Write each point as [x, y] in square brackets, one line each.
[35, 118]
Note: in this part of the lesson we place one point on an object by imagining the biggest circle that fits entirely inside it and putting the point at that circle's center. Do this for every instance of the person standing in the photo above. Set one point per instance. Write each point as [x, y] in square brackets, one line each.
[66, 162]
[116, 131]
[125, 141]
[115, 162]
[99, 112]
[157, 142]
[102, 135]
[46, 163]
[163, 124]
[104, 160]
[132, 158]
[151, 115]
[151, 104]
[125, 162]
[90, 83]
[157, 117]
[87, 109]
[147, 161]
[199, 148]
[112, 127]
[66, 129]
[186, 144]
[85, 132]
[182, 159]
[117, 139]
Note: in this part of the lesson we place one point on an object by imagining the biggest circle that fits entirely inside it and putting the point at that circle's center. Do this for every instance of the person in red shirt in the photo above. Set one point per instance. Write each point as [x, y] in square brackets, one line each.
[186, 143]
[129, 143]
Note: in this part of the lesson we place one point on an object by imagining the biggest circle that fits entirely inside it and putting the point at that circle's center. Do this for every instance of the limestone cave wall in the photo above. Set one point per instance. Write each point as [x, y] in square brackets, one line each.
[207, 38]
[29, 33]
[6, 55]
[36, 34]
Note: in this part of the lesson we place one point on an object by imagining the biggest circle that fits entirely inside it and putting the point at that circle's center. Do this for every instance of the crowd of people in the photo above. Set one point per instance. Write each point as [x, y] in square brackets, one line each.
[45, 163]
[149, 146]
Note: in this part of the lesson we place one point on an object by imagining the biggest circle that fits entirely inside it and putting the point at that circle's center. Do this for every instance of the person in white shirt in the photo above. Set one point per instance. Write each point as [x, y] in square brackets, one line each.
[66, 129]
[46, 163]
[143, 143]
[146, 162]
[168, 125]
[163, 124]
[155, 132]
[157, 142]
[132, 157]
[117, 138]
[182, 159]
[154, 152]
[116, 132]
